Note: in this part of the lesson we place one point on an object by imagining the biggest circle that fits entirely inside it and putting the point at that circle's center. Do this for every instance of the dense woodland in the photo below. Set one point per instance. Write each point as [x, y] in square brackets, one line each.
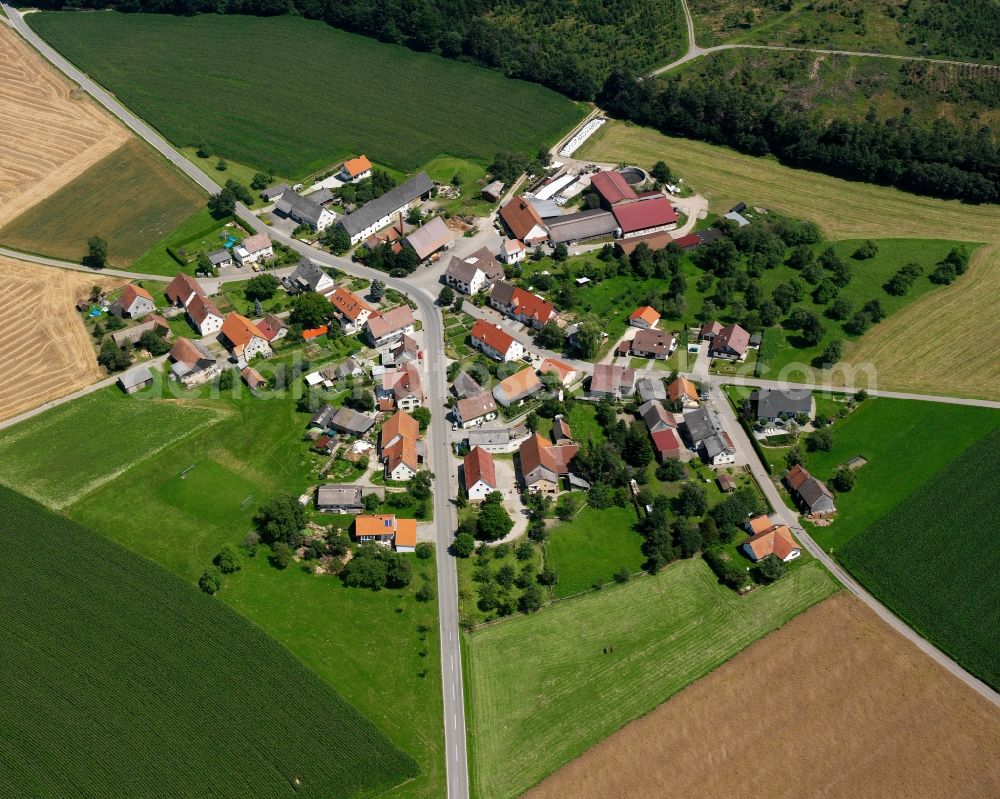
[940, 159]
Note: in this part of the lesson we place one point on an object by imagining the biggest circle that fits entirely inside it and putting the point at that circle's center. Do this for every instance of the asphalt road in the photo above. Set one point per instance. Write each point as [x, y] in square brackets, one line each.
[456, 760]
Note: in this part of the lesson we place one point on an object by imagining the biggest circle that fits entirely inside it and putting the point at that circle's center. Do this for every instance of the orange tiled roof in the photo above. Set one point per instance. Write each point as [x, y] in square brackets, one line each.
[647, 314]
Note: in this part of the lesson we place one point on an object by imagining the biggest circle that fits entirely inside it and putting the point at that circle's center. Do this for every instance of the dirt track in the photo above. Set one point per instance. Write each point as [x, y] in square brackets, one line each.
[45, 350]
[46, 136]
[832, 705]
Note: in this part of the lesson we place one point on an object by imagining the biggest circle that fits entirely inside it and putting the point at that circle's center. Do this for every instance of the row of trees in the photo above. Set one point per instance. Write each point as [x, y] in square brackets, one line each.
[743, 112]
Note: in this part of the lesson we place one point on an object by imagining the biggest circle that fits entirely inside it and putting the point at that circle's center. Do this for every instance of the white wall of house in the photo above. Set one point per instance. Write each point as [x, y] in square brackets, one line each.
[480, 491]
[256, 346]
[402, 472]
[210, 324]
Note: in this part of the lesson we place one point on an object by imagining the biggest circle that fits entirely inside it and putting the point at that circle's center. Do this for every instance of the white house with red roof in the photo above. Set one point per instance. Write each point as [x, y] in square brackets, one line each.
[479, 474]
[203, 314]
[182, 289]
[352, 311]
[491, 340]
[730, 343]
[244, 338]
[134, 303]
[646, 317]
[355, 169]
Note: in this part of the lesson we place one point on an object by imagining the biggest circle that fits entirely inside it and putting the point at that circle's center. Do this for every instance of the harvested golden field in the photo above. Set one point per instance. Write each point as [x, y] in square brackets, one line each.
[944, 342]
[48, 134]
[834, 704]
[843, 209]
[45, 350]
[131, 198]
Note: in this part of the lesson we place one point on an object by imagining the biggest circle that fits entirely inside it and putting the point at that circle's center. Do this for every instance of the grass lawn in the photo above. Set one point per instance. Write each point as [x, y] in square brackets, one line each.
[235, 293]
[582, 422]
[541, 690]
[358, 641]
[37, 459]
[335, 94]
[949, 597]
[198, 233]
[131, 199]
[590, 548]
[905, 442]
[842, 208]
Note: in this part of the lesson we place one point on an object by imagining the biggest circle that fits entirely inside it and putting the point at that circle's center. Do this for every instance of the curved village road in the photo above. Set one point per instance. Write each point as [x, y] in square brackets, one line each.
[456, 759]
[455, 740]
[694, 51]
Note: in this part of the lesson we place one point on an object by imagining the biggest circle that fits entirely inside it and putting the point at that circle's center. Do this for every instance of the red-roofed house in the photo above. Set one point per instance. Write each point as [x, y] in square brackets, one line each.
[543, 463]
[612, 188]
[352, 311]
[566, 373]
[530, 309]
[387, 327]
[387, 530]
[402, 387]
[355, 169]
[523, 221]
[272, 328]
[479, 474]
[643, 216]
[182, 289]
[667, 444]
[474, 410]
[655, 344]
[730, 343]
[494, 342]
[204, 315]
[776, 540]
[645, 317]
[518, 387]
[683, 391]
[710, 330]
[245, 339]
[134, 303]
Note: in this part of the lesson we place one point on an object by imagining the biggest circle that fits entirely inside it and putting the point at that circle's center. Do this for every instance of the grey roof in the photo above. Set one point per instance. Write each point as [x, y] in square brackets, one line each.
[220, 256]
[546, 208]
[464, 268]
[336, 496]
[307, 273]
[651, 388]
[295, 205]
[347, 420]
[701, 423]
[348, 367]
[388, 203]
[502, 292]
[655, 416]
[583, 225]
[770, 403]
[322, 195]
[135, 378]
[465, 386]
[714, 445]
[322, 417]
[609, 379]
[430, 237]
[814, 494]
[275, 191]
[497, 436]
[738, 218]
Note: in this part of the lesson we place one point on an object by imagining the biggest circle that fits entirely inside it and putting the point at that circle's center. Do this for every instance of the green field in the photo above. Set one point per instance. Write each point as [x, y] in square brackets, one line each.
[199, 233]
[118, 676]
[329, 95]
[591, 547]
[132, 198]
[110, 432]
[934, 559]
[380, 650]
[905, 442]
[541, 690]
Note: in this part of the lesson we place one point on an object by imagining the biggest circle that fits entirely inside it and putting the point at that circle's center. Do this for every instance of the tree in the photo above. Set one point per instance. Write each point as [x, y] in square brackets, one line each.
[223, 204]
[377, 290]
[493, 522]
[97, 253]
[560, 252]
[336, 238]
[310, 309]
[843, 478]
[221, 165]
[203, 150]
[446, 296]
[228, 559]
[820, 440]
[112, 357]
[260, 181]
[530, 600]
[771, 568]
[210, 580]
[153, 342]
[638, 452]
[398, 571]
[463, 545]
[623, 575]
[550, 336]
[281, 555]
[867, 250]
[420, 485]
[241, 192]
[261, 287]
[423, 550]
[661, 172]
[566, 507]
[282, 519]
[367, 569]
[840, 309]
[670, 470]
[831, 354]
[203, 266]
[692, 500]
[794, 457]
[548, 576]
[425, 593]
[588, 338]
[506, 575]
[422, 415]
[370, 502]
[525, 551]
